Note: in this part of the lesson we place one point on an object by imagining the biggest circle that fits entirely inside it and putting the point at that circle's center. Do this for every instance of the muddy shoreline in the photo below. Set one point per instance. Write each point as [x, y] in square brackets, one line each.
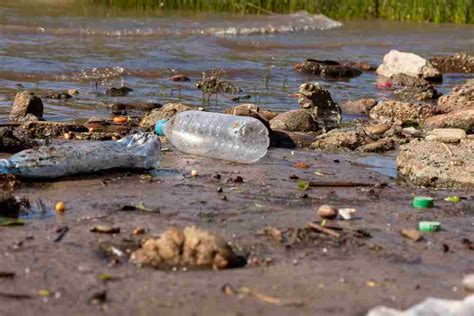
[326, 277]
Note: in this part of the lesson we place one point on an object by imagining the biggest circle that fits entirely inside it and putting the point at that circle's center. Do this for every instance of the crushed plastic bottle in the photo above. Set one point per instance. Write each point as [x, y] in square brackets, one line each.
[228, 137]
[136, 151]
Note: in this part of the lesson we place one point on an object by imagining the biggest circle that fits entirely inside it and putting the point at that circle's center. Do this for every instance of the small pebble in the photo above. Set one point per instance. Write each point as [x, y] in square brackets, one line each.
[139, 231]
[327, 212]
[194, 173]
[468, 282]
[59, 208]
[67, 136]
[91, 130]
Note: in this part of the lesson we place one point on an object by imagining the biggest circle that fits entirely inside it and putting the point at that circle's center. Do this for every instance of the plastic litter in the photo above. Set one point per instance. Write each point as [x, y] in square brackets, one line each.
[422, 202]
[347, 213]
[426, 226]
[431, 307]
[453, 199]
[136, 151]
[228, 137]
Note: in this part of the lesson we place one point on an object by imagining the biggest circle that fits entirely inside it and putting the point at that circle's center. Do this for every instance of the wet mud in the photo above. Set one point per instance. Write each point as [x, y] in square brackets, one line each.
[59, 265]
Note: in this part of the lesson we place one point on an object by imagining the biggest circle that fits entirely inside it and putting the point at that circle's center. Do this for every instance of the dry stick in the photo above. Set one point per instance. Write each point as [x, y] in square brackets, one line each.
[449, 150]
[269, 299]
[259, 8]
[17, 296]
[340, 184]
[324, 230]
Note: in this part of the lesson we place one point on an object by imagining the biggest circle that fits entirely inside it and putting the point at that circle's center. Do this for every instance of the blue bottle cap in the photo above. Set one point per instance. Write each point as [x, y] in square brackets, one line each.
[159, 127]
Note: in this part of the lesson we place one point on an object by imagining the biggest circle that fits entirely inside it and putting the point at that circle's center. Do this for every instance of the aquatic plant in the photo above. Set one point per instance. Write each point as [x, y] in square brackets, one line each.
[455, 11]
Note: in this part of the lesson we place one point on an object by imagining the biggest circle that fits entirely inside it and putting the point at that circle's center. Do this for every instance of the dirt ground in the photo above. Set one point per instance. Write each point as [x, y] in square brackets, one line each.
[372, 264]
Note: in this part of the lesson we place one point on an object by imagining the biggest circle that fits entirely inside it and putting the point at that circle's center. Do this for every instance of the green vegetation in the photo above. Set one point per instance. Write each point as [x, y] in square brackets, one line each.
[440, 11]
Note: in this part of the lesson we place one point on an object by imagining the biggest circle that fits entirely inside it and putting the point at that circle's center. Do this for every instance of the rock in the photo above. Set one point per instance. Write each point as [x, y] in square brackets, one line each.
[413, 234]
[337, 140]
[9, 206]
[468, 282]
[104, 127]
[26, 103]
[138, 106]
[327, 68]
[463, 119]
[319, 101]
[411, 132]
[9, 142]
[295, 121]
[327, 212]
[414, 88]
[460, 62]
[461, 97]
[446, 135]
[396, 112]
[361, 106]
[396, 62]
[436, 164]
[166, 112]
[191, 247]
[73, 92]
[214, 84]
[48, 129]
[285, 139]
[377, 129]
[180, 78]
[58, 96]
[250, 110]
[118, 92]
[378, 146]
[362, 66]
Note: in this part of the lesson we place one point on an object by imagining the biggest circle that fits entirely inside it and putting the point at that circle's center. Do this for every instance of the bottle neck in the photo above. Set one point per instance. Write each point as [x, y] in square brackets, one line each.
[4, 166]
[160, 127]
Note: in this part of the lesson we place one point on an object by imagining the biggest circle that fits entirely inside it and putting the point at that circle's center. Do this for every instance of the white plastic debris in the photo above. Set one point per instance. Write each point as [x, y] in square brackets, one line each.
[346, 213]
[430, 307]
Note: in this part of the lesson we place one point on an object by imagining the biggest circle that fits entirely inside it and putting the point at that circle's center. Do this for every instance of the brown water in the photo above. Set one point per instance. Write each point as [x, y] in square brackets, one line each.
[58, 45]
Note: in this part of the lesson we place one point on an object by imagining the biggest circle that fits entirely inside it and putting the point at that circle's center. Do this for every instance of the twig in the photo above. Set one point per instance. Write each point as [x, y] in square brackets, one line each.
[339, 184]
[324, 230]
[17, 296]
[259, 8]
[447, 148]
[269, 299]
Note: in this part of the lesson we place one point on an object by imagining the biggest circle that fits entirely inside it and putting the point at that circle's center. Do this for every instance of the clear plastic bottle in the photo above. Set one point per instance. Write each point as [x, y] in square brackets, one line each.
[228, 137]
[136, 151]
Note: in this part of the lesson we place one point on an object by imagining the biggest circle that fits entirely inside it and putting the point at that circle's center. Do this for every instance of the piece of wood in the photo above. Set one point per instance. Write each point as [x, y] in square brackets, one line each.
[324, 230]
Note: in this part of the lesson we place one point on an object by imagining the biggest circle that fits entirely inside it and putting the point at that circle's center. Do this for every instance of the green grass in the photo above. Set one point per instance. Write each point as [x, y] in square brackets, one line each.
[439, 11]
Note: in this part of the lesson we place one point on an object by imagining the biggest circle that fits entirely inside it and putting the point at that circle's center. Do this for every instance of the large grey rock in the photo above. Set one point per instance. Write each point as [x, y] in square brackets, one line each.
[437, 164]
[295, 121]
[396, 112]
[396, 62]
[26, 104]
[319, 101]
[166, 112]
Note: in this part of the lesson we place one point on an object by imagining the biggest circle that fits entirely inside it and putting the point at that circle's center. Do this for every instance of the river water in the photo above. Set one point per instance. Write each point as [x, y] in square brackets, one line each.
[59, 45]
